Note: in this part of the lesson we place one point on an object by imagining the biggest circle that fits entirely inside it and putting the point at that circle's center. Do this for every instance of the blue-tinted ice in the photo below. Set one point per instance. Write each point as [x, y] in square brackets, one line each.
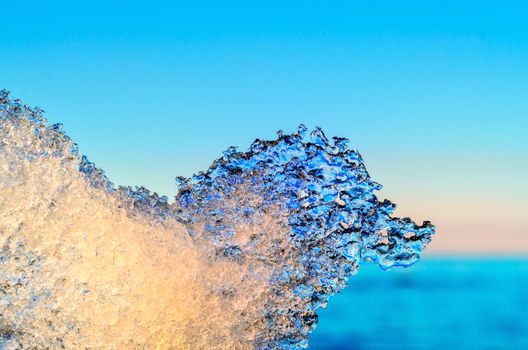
[301, 207]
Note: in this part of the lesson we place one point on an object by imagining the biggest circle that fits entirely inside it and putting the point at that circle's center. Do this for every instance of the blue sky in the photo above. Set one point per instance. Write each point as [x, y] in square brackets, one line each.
[433, 94]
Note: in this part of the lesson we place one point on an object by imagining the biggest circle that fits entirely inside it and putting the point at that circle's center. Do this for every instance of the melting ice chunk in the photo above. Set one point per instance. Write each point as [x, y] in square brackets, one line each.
[243, 258]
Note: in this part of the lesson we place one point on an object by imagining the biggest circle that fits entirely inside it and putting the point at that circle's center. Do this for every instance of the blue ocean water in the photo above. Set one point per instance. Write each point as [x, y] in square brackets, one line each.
[437, 304]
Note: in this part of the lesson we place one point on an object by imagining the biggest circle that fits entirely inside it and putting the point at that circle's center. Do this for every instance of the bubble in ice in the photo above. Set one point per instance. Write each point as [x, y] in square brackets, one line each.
[243, 258]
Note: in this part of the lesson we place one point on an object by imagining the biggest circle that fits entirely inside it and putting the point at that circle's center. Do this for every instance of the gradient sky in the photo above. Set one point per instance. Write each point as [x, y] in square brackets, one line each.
[433, 94]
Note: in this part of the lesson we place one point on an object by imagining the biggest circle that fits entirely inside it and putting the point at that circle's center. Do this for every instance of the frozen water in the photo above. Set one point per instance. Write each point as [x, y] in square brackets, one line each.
[242, 259]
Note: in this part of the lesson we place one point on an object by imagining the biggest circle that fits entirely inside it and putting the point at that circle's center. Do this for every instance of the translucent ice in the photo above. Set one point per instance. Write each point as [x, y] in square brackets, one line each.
[242, 259]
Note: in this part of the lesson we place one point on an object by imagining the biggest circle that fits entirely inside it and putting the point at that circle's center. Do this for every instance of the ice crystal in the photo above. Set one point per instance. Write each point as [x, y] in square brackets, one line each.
[243, 258]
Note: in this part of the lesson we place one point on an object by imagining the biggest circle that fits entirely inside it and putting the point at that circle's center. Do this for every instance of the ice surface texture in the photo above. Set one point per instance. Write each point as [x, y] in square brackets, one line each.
[242, 259]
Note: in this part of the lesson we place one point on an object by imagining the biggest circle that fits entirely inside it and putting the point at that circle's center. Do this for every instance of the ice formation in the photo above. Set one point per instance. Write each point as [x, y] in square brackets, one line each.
[242, 259]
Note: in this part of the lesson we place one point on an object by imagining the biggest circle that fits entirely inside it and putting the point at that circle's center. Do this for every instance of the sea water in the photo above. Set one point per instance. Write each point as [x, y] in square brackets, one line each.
[441, 303]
